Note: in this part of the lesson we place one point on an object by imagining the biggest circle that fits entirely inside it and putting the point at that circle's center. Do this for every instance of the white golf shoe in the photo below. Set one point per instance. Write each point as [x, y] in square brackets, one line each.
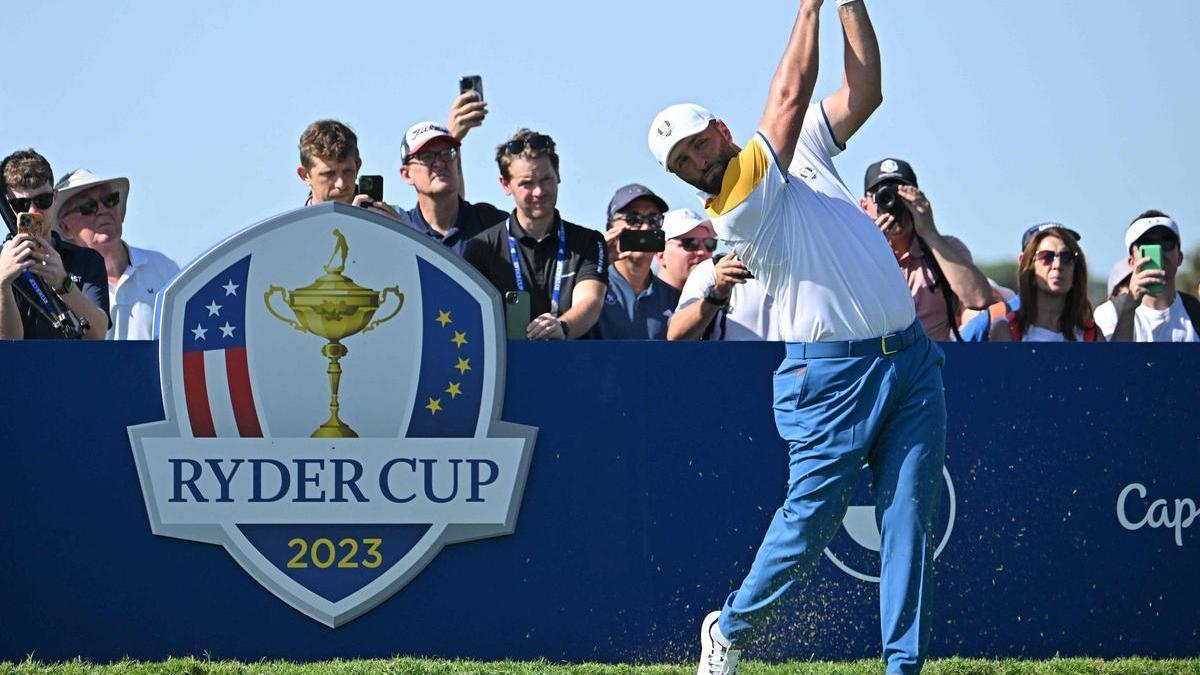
[716, 657]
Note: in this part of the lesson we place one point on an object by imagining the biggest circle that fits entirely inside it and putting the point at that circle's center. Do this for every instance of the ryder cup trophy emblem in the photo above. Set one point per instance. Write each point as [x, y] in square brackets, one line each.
[334, 521]
[334, 308]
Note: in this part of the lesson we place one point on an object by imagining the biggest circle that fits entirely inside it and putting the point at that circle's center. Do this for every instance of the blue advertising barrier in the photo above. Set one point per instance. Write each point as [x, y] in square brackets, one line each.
[1073, 476]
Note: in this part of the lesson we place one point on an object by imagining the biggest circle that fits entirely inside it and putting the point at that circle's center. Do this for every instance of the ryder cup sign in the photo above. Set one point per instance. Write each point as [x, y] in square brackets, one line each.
[332, 384]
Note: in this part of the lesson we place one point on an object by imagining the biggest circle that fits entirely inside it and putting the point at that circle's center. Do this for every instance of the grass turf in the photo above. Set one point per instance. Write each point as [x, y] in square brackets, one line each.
[409, 666]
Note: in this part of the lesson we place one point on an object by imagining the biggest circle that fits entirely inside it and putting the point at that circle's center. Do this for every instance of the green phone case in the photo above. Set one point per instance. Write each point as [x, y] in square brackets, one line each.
[1154, 253]
[516, 314]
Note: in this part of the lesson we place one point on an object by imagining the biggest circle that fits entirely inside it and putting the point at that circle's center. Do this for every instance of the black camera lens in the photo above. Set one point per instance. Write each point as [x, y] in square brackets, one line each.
[887, 199]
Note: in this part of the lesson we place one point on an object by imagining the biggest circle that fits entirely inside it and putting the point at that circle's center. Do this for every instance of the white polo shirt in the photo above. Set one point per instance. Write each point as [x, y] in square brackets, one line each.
[824, 261]
[131, 300]
[751, 311]
[1151, 325]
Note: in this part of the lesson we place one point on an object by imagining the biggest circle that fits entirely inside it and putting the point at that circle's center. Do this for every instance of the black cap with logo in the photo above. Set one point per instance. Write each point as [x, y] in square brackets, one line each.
[889, 171]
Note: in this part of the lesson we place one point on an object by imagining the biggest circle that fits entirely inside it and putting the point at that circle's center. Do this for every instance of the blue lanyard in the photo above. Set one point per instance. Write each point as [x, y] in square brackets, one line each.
[559, 263]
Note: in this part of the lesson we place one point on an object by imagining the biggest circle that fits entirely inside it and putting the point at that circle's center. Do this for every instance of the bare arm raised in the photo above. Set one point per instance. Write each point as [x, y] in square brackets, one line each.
[862, 89]
[792, 87]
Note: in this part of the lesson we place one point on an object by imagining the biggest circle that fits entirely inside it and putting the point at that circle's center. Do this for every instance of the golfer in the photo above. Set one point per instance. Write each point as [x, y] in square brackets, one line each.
[861, 383]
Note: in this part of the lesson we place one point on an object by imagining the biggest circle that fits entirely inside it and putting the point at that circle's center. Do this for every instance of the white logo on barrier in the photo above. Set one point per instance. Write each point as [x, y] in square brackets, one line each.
[859, 525]
[1177, 516]
[333, 420]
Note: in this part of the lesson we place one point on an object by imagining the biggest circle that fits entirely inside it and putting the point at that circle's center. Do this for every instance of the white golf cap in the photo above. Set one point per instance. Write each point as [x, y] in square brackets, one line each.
[675, 124]
[681, 221]
[1143, 225]
[421, 134]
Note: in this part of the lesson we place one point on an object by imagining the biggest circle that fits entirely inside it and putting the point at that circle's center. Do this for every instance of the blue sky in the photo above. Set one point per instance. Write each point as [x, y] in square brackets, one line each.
[1011, 112]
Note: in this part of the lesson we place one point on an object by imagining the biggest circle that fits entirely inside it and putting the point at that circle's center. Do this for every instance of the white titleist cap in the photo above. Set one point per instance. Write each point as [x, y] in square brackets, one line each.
[675, 124]
[681, 221]
[1144, 225]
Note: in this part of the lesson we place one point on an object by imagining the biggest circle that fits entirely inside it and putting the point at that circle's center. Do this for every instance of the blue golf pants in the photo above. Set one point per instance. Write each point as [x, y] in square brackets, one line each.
[838, 414]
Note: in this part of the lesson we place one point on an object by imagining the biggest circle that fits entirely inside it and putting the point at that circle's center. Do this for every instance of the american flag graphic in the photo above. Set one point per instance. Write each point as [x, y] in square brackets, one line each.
[216, 379]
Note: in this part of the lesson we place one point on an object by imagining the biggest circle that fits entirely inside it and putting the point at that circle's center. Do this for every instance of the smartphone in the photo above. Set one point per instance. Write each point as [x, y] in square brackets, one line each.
[1154, 253]
[642, 240]
[471, 83]
[516, 314]
[32, 224]
[372, 186]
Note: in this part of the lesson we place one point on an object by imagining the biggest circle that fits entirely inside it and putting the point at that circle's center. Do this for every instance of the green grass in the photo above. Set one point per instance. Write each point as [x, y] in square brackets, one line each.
[408, 666]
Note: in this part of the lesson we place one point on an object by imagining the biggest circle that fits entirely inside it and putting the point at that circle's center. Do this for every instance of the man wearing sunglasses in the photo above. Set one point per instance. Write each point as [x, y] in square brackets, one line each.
[74, 272]
[563, 267]
[690, 241]
[91, 211]
[862, 383]
[432, 163]
[638, 304]
[1153, 309]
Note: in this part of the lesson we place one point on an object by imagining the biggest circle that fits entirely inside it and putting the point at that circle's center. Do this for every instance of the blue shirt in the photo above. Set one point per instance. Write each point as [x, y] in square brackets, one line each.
[976, 330]
[627, 316]
[472, 219]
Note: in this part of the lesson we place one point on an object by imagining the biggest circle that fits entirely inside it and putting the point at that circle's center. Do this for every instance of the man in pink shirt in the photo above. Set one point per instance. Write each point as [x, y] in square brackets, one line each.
[941, 275]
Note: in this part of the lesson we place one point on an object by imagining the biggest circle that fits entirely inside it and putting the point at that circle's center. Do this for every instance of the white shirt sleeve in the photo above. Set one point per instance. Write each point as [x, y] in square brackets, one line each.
[1105, 317]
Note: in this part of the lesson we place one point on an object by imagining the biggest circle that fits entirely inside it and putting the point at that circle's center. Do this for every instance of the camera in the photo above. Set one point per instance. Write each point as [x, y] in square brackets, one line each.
[888, 200]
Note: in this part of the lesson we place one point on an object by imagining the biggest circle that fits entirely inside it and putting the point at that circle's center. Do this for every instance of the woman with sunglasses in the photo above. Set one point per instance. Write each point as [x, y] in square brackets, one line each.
[1052, 279]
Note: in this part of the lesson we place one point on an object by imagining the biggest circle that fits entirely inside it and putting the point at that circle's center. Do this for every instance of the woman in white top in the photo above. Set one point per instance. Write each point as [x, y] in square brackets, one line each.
[1052, 278]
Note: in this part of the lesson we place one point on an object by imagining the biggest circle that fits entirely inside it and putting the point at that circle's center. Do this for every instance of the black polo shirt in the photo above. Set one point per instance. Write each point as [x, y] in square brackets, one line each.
[585, 259]
[472, 219]
[86, 266]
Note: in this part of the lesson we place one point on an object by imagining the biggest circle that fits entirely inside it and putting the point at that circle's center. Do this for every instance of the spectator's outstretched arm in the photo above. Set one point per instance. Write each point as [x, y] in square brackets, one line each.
[587, 300]
[862, 90]
[466, 113]
[10, 318]
[792, 87]
[690, 322]
[965, 279]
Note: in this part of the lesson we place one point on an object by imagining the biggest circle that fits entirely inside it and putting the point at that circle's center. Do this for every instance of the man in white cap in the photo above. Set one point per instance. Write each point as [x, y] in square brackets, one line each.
[690, 241]
[861, 383]
[1153, 309]
[431, 162]
[91, 211]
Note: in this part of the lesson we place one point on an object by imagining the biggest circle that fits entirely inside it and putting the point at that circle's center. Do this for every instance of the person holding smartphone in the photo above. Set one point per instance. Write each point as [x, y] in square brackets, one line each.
[638, 304]
[431, 162]
[1153, 309]
[562, 266]
[74, 272]
[329, 166]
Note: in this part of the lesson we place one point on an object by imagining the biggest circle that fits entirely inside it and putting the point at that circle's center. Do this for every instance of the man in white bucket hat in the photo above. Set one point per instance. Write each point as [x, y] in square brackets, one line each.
[862, 383]
[90, 210]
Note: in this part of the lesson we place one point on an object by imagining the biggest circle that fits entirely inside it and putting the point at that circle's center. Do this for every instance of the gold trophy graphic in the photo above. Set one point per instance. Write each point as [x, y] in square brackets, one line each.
[334, 307]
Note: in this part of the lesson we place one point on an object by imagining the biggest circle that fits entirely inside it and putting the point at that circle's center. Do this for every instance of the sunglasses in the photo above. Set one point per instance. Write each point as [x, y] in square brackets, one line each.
[653, 220]
[89, 207]
[1047, 257]
[535, 142]
[22, 204]
[694, 243]
[428, 158]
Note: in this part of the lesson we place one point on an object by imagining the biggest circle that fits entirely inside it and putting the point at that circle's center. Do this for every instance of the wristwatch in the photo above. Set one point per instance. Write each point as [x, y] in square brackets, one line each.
[711, 298]
[68, 285]
[566, 331]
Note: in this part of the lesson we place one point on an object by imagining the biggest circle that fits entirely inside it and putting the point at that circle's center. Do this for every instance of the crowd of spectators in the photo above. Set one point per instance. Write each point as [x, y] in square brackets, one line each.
[582, 283]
